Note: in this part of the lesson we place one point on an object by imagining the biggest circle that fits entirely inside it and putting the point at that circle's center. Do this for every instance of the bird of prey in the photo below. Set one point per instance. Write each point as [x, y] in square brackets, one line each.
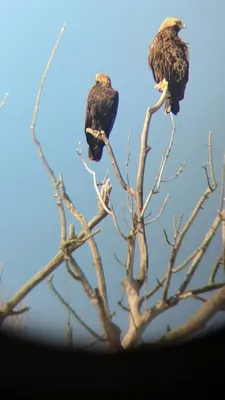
[168, 59]
[101, 111]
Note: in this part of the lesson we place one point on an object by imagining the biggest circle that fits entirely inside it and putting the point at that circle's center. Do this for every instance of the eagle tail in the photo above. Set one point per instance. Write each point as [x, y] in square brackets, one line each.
[172, 104]
[95, 152]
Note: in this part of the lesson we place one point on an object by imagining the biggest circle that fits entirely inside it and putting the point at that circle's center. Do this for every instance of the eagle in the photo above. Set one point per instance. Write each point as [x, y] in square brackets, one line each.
[168, 59]
[101, 112]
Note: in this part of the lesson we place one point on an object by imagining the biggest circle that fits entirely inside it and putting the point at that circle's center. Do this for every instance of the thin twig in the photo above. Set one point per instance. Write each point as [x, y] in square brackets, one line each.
[222, 198]
[177, 226]
[69, 330]
[4, 99]
[186, 262]
[200, 298]
[206, 241]
[73, 312]
[188, 224]
[119, 262]
[124, 308]
[107, 209]
[130, 207]
[215, 269]
[82, 278]
[20, 311]
[222, 207]
[160, 211]
[153, 291]
[116, 223]
[167, 238]
[93, 173]
[0, 273]
[124, 216]
[37, 143]
[177, 173]
[70, 272]
[158, 180]
[210, 177]
[168, 276]
[201, 290]
[103, 137]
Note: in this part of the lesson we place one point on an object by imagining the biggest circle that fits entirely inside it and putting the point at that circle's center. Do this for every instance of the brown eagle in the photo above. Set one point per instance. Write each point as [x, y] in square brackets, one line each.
[169, 60]
[101, 111]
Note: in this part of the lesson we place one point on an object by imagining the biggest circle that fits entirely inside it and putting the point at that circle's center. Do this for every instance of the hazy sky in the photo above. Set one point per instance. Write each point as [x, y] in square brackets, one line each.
[110, 36]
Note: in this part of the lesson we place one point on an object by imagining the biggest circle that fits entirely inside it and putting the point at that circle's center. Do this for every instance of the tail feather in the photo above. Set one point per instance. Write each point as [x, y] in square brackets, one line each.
[95, 152]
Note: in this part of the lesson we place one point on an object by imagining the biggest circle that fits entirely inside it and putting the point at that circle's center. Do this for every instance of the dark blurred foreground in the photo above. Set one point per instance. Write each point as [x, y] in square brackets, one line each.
[164, 372]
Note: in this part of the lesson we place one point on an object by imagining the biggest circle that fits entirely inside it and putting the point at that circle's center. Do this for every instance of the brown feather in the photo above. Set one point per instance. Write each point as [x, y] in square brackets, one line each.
[169, 58]
[101, 111]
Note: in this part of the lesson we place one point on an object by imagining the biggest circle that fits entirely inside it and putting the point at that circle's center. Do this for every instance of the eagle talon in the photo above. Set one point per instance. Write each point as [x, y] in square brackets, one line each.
[161, 85]
[96, 133]
[157, 87]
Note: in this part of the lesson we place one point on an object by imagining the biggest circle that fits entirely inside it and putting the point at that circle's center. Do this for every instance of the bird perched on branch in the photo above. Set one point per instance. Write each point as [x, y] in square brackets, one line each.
[101, 111]
[169, 61]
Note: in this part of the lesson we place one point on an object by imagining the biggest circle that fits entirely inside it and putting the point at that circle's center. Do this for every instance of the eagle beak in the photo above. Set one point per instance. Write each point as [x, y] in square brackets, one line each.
[183, 26]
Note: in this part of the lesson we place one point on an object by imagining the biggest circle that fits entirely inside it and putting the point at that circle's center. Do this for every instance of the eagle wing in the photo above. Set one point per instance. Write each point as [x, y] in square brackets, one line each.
[101, 109]
[168, 58]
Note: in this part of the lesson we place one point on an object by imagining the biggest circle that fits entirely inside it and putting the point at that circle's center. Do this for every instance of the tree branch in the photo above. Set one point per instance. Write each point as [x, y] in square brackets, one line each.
[198, 320]
[4, 100]
[214, 271]
[208, 237]
[158, 180]
[37, 143]
[201, 290]
[222, 207]
[107, 209]
[56, 261]
[168, 276]
[139, 220]
[92, 244]
[102, 136]
[144, 149]
[160, 211]
[112, 331]
[177, 173]
[73, 312]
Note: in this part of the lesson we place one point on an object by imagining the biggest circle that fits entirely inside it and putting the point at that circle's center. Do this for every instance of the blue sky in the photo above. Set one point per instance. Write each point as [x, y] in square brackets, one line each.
[113, 37]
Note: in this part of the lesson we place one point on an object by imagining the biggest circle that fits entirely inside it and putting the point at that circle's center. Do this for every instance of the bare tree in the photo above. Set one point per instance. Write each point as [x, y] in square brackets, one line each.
[138, 313]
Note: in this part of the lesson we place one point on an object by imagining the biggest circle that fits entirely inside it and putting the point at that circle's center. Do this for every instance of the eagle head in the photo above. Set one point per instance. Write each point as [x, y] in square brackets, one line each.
[172, 22]
[103, 79]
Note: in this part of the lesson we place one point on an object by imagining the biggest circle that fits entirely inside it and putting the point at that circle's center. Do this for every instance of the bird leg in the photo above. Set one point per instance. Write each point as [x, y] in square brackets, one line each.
[98, 133]
[94, 132]
[160, 86]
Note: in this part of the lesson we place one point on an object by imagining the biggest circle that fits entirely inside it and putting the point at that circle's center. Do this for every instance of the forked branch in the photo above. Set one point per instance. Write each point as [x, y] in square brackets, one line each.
[198, 320]
[102, 136]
